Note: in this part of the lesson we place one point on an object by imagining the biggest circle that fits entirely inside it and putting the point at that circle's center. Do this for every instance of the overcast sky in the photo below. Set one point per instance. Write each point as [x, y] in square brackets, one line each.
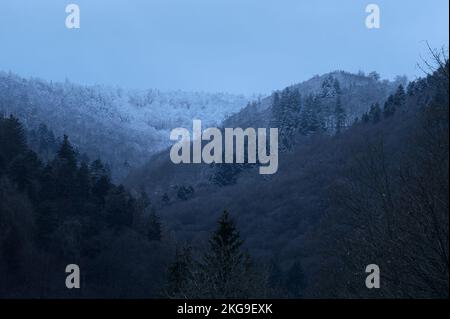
[237, 46]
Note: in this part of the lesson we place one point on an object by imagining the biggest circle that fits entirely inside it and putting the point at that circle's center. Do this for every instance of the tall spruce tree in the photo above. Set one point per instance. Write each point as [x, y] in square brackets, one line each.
[400, 96]
[339, 114]
[286, 110]
[225, 269]
[67, 153]
[310, 116]
[375, 113]
[65, 165]
[389, 107]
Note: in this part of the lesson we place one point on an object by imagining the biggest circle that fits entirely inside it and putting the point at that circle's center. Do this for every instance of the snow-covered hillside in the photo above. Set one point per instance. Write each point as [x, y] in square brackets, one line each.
[358, 93]
[123, 127]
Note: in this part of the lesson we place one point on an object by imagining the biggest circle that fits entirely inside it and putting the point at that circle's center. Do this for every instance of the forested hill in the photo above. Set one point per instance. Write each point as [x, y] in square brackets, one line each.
[328, 102]
[372, 191]
[122, 127]
[375, 191]
[62, 211]
[324, 104]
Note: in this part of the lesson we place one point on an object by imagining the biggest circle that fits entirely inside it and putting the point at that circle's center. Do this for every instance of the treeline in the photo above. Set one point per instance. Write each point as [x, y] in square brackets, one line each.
[294, 114]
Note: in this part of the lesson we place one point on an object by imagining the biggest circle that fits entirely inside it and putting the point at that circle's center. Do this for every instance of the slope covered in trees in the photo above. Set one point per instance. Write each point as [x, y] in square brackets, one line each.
[123, 127]
[223, 271]
[373, 192]
[65, 211]
[363, 179]
[323, 105]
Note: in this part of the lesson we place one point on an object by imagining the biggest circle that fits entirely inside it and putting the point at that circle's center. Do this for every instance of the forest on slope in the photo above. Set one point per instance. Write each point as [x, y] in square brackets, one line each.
[357, 184]
[122, 127]
[374, 190]
[65, 211]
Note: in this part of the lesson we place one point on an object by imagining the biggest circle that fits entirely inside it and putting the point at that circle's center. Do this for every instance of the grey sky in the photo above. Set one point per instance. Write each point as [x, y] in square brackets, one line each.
[239, 46]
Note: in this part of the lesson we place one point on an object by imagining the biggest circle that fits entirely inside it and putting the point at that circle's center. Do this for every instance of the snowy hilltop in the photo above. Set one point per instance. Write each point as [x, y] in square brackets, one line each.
[123, 127]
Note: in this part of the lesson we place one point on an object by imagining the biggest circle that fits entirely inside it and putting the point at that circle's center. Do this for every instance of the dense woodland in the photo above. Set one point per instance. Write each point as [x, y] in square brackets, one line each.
[356, 186]
[123, 127]
[66, 211]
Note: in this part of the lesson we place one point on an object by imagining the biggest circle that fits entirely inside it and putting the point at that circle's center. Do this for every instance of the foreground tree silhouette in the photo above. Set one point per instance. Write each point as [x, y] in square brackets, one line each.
[224, 263]
[224, 271]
